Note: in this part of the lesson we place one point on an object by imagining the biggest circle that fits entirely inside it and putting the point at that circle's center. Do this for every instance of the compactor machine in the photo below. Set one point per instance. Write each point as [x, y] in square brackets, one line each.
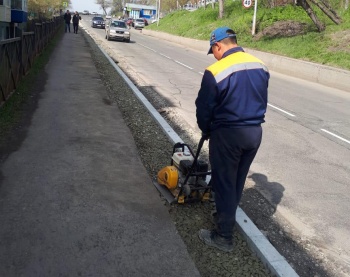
[187, 177]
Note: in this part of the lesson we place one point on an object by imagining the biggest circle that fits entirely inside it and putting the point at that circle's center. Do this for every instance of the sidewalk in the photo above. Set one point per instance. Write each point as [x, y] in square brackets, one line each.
[75, 199]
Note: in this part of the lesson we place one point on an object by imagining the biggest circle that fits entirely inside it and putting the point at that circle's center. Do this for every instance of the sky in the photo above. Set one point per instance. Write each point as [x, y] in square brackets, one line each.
[80, 5]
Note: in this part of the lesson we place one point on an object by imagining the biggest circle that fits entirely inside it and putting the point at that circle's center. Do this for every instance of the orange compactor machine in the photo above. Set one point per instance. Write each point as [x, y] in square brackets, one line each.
[186, 179]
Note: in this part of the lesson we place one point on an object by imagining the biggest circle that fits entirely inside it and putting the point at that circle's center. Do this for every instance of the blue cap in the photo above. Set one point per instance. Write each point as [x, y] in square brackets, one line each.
[220, 34]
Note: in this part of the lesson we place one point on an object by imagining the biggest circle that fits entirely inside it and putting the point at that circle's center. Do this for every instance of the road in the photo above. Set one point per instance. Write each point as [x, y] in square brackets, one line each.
[303, 165]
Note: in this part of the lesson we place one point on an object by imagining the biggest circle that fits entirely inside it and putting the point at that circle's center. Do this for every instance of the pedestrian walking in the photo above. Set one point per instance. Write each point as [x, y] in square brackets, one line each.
[230, 108]
[67, 18]
[76, 18]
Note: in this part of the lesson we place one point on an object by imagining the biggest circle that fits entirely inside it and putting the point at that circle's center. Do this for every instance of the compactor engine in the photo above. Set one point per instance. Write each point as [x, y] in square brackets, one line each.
[186, 177]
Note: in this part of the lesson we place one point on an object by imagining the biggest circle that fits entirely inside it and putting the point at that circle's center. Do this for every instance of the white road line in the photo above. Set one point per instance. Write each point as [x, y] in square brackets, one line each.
[165, 56]
[201, 73]
[283, 111]
[148, 47]
[328, 132]
[183, 64]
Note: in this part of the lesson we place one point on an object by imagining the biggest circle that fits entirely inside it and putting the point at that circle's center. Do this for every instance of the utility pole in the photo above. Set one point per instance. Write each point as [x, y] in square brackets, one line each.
[158, 10]
[254, 17]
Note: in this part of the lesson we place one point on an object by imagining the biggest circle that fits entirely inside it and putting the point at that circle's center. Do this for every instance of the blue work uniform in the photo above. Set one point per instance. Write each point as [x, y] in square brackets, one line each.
[231, 106]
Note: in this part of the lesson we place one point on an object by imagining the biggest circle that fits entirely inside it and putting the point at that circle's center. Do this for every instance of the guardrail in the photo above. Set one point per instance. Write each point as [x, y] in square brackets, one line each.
[18, 54]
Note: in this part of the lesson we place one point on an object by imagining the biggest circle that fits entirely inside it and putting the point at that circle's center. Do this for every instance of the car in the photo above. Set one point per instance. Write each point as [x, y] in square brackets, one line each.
[86, 12]
[129, 21]
[95, 13]
[145, 20]
[118, 30]
[138, 23]
[98, 22]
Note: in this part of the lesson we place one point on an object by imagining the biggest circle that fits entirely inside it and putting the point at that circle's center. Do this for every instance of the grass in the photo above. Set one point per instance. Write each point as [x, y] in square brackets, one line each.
[324, 48]
[11, 113]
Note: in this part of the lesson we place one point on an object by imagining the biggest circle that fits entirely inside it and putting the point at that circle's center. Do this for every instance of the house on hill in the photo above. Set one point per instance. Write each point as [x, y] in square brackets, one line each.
[140, 11]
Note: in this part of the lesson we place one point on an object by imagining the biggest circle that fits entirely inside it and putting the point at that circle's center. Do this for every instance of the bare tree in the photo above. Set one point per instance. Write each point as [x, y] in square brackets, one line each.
[326, 9]
[105, 4]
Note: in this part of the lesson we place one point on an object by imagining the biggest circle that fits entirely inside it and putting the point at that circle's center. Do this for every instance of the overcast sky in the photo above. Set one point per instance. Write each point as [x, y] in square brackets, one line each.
[80, 5]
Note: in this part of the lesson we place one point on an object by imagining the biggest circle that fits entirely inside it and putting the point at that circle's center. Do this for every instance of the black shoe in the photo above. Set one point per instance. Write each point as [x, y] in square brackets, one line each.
[212, 238]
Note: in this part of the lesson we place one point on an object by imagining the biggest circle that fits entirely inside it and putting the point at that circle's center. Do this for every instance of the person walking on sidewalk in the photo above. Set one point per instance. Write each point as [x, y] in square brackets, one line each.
[76, 18]
[230, 108]
[67, 18]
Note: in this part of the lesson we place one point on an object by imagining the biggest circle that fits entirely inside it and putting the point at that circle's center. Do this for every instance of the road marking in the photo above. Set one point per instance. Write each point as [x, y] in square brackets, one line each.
[165, 56]
[148, 48]
[201, 73]
[183, 64]
[283, 111]
[328, 132]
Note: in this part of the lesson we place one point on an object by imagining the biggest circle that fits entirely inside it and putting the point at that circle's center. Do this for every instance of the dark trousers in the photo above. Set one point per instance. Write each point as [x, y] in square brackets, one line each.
[67, 27]
[75, 27]
[231, 152]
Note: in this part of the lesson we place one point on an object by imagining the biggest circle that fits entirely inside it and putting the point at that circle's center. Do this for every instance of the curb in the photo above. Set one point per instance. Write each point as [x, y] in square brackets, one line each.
[317, 73]
[259, 244]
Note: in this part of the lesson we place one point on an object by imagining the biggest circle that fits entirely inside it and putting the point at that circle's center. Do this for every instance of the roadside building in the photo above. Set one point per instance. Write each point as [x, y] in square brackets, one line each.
[140, 11]
[13, 13]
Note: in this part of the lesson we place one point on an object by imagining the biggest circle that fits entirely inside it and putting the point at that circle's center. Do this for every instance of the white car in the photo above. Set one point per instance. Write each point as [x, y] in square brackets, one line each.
[86, 12]
[118, 30]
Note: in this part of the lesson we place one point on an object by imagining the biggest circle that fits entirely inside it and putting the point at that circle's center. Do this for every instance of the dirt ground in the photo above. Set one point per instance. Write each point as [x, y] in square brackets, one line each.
[290, 28]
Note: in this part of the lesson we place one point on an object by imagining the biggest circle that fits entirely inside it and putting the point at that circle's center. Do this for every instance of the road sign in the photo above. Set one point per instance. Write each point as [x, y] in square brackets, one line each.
[65, 4]
[247, 3]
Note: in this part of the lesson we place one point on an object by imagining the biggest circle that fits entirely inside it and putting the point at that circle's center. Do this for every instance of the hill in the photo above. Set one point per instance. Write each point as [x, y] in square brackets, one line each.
[286, 31]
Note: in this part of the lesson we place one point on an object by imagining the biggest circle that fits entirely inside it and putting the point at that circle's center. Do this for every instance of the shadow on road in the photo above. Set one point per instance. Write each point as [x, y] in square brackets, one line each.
[260, 200]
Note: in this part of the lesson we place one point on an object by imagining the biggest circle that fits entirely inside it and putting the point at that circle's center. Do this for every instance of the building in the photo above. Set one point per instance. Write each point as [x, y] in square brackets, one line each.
[138, 11]
[13, 13]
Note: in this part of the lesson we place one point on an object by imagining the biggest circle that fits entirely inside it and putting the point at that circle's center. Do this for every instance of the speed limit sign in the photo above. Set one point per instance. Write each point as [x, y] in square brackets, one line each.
[247, 3]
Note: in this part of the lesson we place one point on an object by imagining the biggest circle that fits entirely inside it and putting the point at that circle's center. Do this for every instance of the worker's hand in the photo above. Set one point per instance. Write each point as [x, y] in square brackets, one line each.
[205, 136]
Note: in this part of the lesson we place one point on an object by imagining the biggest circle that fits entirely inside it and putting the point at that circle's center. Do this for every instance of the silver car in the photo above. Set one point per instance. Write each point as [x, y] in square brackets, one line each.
[117, 29]
[139, 23]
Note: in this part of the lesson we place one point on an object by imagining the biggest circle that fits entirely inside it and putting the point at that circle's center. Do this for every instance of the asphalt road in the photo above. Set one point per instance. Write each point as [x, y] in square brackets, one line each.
[303, 165]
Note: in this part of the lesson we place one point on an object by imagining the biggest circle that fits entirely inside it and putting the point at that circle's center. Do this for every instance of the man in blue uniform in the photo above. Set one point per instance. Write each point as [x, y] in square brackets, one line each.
[231, 106]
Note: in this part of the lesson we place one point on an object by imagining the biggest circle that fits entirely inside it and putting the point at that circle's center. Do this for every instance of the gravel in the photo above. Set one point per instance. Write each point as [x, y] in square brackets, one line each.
[155, 151]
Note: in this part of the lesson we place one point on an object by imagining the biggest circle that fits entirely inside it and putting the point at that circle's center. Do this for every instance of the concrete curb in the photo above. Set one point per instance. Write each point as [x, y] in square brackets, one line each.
[317, 73]
[273, 260]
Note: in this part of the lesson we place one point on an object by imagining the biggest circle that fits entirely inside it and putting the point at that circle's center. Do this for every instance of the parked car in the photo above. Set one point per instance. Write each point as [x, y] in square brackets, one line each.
[145, 20]
[86, 12]
[97, 22]
[138, 23]
[117, 29]
[129, 21]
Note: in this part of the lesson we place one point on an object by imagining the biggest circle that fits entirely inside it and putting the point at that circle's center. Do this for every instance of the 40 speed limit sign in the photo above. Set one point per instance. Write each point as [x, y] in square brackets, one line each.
[247, 3]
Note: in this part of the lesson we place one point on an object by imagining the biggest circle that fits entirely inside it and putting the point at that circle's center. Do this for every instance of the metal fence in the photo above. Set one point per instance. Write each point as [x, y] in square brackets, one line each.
[18, 54]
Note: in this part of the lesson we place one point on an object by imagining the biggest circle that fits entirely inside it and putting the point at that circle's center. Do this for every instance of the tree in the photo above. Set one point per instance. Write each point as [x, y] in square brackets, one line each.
[117, 6]
[221, 9]
[325, 8]
[45, 8]
[105, 4]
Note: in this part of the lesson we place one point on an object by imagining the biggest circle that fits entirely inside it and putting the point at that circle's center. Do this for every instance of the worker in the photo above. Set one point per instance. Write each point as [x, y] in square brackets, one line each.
[230, 108]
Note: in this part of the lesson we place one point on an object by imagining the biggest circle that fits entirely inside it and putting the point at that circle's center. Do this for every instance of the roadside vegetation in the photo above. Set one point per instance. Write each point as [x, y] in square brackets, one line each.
[283, 30]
